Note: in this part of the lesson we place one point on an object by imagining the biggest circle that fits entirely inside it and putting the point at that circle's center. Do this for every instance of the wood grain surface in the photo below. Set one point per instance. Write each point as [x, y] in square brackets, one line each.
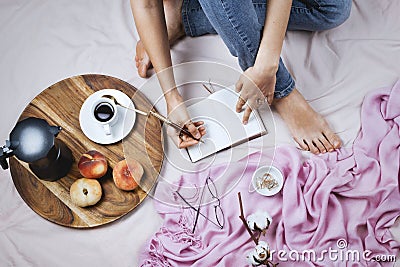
[60, 105]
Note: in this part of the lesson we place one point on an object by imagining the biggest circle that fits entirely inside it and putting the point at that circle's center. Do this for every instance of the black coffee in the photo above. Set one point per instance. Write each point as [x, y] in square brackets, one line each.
[103, 111]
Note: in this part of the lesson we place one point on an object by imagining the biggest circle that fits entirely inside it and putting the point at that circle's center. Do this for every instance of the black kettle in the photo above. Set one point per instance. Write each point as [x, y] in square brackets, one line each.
[34, 141]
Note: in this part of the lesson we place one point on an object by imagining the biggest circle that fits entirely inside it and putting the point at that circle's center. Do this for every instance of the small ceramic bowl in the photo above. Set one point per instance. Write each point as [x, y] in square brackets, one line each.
[274, 174]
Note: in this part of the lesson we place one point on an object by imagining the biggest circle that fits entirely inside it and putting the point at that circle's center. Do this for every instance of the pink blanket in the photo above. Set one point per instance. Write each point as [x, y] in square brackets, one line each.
[334, 209]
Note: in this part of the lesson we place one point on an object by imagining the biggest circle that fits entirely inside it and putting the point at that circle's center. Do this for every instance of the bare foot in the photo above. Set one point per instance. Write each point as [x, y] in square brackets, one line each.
[308, 128]
[143, 62]
[173, 18]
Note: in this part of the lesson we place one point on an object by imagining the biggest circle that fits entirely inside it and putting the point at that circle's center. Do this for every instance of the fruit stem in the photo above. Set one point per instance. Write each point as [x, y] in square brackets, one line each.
[88, 156]
[85, 191]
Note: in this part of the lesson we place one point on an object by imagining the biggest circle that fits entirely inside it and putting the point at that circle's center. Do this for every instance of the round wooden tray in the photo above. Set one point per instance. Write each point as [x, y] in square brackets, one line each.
[60, 105]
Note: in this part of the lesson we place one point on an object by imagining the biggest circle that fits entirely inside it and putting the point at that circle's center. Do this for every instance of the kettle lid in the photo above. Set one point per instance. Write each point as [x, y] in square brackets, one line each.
[32, 138]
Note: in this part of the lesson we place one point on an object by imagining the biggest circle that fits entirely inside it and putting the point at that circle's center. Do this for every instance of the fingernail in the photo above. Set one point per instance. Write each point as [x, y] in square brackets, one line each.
[245, 122]
[198, 135]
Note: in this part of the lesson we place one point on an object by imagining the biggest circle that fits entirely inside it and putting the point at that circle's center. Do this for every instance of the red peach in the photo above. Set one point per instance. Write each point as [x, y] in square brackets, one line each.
[127, 174]
[93, 164]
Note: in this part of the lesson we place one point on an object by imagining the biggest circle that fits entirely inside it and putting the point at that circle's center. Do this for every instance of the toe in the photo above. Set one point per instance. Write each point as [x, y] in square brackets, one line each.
[319, 145]
[337, 143]
[328, 146]
[313, 147]
[333, 139]
[325, 142]
[302, 144]
[142, 69]
[143, 62]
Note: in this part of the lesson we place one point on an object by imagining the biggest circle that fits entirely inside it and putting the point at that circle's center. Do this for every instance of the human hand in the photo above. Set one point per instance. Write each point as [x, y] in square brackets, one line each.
[177, 113]
[255, 86]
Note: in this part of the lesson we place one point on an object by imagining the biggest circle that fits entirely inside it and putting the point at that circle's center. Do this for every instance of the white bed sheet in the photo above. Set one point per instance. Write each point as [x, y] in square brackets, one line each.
[43, 42]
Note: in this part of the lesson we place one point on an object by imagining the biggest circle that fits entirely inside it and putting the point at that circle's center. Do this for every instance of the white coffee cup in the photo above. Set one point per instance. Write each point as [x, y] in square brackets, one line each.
[104, 111]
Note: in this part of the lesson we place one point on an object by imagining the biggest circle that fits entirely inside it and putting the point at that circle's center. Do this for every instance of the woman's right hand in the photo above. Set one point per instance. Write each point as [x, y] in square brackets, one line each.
[152, 29]
[177, 113]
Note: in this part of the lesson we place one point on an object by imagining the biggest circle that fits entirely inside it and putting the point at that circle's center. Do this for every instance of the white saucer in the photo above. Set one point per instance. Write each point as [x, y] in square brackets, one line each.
[122, 127]
[275, 173]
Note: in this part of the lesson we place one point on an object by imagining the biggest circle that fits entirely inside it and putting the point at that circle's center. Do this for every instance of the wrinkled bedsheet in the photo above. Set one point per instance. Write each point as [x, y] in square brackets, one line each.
[44, 41]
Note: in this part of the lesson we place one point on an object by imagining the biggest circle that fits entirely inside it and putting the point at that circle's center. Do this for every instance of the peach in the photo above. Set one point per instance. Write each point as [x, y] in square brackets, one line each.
[127, 174]
[85, 192]
[93, 164]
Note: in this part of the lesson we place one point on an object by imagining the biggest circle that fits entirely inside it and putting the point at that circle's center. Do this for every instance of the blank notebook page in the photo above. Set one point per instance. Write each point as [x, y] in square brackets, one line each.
[223, 124]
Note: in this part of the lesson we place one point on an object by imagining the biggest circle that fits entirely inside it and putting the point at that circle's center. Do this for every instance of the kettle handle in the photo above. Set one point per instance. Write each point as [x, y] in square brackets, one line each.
[5, 152]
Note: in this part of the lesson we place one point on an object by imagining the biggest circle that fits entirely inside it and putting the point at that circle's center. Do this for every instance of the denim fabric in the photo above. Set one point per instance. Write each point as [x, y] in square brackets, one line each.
[240, 24]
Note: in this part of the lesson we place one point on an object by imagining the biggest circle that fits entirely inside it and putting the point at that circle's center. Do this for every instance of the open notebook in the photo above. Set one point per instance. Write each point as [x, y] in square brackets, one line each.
[223, 124]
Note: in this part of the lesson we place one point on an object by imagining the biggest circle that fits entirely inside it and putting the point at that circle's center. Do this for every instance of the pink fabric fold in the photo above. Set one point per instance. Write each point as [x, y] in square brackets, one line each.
[339, 205]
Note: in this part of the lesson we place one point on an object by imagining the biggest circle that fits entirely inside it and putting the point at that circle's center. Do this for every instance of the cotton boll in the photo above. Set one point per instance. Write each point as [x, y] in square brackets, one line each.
[259, 220]
[259, 254]
[251, 259]
[262, 251]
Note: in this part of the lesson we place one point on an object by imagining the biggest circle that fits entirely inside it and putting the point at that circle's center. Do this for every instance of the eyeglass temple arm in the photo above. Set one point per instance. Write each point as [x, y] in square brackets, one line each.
[204, 216]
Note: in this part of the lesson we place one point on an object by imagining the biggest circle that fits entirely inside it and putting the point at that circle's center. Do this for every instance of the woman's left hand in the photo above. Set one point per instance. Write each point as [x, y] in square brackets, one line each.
[255, 87]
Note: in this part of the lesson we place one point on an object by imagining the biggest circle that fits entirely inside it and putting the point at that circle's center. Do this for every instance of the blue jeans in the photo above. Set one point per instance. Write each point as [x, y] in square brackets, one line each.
[240, 24]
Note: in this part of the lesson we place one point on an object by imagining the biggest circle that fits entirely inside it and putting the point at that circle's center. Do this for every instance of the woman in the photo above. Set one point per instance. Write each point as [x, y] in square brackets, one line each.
[254, 32]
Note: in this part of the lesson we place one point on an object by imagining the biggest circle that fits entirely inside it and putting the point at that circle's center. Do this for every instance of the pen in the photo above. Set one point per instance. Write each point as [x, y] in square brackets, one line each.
[182, 130]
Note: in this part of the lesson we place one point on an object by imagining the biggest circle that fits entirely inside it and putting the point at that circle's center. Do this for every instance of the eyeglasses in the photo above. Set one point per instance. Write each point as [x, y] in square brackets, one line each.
[210, 87]
[218, 212]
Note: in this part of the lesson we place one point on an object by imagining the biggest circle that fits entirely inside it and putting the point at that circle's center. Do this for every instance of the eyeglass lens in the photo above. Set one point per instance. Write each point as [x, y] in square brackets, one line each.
[219, 214]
